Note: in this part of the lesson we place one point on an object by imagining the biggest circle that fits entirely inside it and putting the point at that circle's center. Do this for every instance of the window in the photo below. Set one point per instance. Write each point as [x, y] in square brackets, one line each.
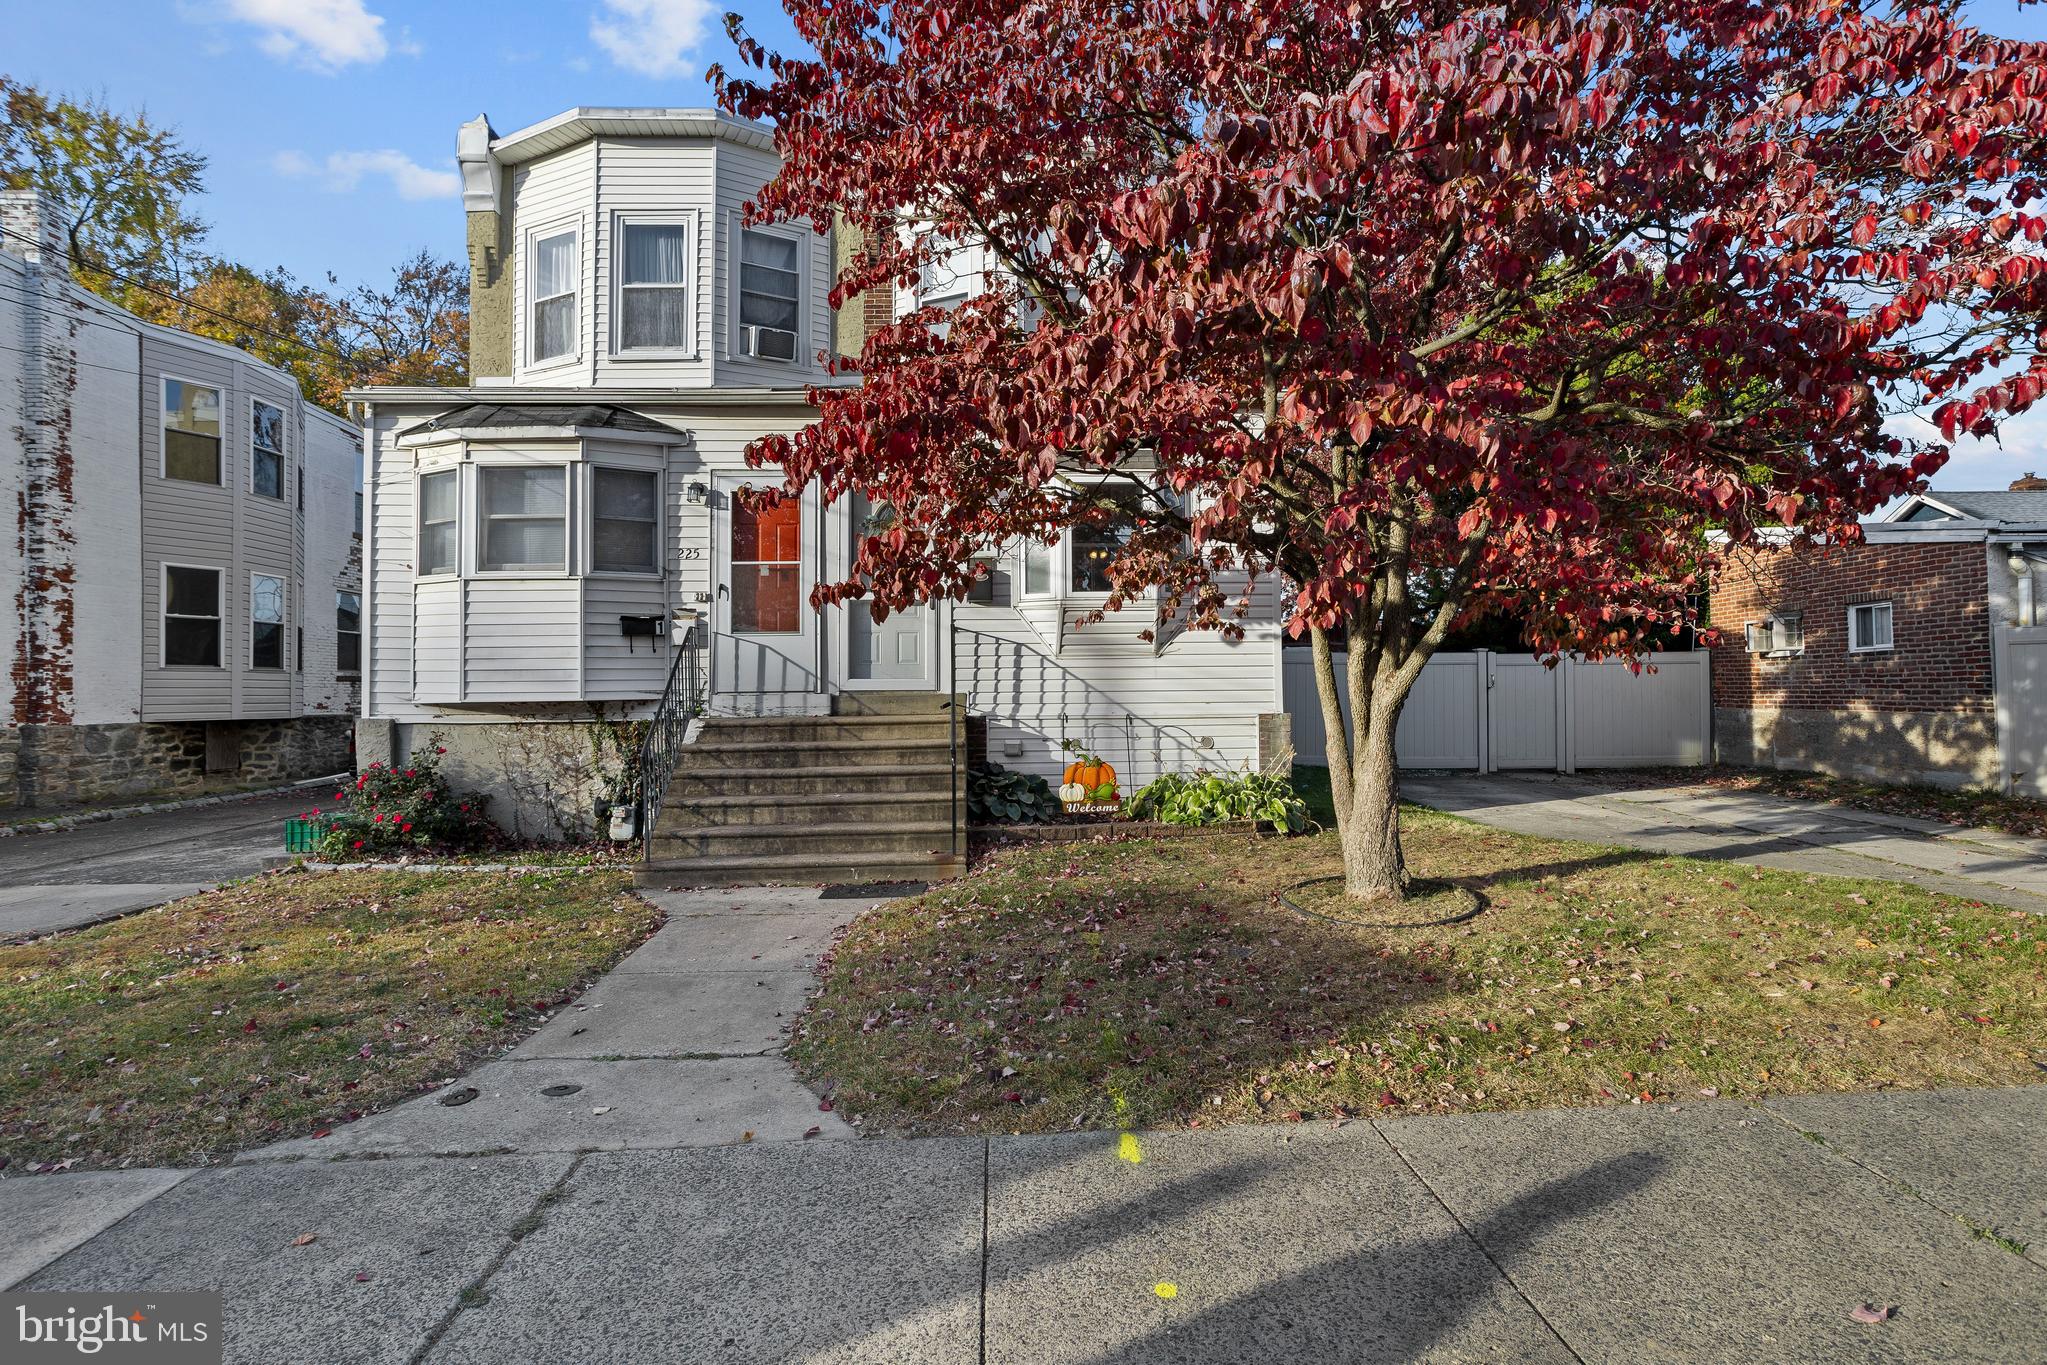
[766, 588]
[266, 621]
[770, 294]
[1869, 627]
[554, 296]
[653, 293]
[1037, 569]
[191, 617]
[191, 432]
[625, 519]
[525, 519]
[348, 632]
[1092, 549]
[358, 514]
[266, 460]
[1780, 634]
[438, 498]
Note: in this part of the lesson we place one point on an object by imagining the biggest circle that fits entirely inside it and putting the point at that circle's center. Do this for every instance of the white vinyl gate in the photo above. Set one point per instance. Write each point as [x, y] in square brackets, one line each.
[2022, 706]
[1487, 711]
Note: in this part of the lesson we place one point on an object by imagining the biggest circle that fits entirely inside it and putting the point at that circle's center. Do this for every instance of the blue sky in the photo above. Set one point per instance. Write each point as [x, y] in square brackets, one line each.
[330, 124]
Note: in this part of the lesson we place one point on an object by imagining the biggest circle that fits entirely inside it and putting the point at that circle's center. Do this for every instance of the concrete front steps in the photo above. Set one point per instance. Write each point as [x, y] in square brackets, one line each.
[864, 794]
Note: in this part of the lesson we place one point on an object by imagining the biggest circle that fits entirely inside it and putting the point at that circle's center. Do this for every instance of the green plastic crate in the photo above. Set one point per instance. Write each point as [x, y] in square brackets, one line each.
[302, 834]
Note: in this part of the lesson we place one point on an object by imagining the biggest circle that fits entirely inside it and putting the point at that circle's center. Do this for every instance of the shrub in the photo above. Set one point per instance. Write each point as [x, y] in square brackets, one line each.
[1205, 798]
[407, 809]
[995, 795]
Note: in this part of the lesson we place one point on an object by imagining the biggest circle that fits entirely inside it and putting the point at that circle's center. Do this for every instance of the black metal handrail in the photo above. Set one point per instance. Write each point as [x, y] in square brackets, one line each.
[682, 700]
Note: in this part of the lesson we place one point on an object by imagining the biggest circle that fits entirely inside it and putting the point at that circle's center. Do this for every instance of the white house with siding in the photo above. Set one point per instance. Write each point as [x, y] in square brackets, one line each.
[553, 546]
[186, 546]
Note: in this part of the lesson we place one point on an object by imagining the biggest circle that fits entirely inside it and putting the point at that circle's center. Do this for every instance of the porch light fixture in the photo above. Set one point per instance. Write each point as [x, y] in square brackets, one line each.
[696, 494]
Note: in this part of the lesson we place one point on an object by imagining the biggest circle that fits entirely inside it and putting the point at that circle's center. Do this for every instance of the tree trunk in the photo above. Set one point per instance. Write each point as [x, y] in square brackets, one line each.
[1373, 868]
[1364, 770]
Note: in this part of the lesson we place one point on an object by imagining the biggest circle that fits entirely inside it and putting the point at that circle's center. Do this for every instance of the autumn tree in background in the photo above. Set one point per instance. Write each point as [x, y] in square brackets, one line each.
[121, 182]
[1513, 302]
[122, 185]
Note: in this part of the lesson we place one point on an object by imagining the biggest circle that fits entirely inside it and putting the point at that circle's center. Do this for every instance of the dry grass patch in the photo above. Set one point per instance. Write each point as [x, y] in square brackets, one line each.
[286, 1004]
[1160, 982]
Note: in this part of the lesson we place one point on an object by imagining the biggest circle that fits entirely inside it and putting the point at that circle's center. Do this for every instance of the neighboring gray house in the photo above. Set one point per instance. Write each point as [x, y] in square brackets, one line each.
[186, 553]
[543, 542]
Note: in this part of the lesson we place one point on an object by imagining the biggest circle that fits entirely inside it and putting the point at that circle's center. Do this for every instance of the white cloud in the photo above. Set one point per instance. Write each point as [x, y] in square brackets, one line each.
[323, 34]
[652, 37]
[344, 171]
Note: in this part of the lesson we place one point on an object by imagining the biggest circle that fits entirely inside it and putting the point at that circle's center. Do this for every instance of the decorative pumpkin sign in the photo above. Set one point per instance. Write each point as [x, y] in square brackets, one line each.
[1090, 783]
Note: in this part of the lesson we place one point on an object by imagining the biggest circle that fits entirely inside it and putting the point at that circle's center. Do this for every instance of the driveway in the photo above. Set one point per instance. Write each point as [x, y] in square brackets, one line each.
[95, 871]
[1698, 821]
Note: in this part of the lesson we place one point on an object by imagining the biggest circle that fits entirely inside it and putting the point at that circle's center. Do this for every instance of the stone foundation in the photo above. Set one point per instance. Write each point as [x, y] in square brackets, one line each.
[545, 777]
[55, 765]
[1931, 748]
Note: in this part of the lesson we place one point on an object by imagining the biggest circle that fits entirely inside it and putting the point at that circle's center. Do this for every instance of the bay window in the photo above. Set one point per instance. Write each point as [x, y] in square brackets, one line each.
[439, 501]
[525, 519]
[266, 453]
[191, 431]
[266, 621]
[190, 624]
[552, 300]
[625, 517]
[653, 289]
[770, 294]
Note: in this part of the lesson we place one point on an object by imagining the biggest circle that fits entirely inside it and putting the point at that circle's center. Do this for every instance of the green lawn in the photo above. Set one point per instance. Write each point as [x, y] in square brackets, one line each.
[283, 1005]
[1158, 982]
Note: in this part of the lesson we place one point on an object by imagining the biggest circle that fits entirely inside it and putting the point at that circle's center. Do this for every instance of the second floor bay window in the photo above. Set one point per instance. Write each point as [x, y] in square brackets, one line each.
[770, 294]
[266, 441]
[653, 287]
[525, 519]
[191, 431]
[552, 322]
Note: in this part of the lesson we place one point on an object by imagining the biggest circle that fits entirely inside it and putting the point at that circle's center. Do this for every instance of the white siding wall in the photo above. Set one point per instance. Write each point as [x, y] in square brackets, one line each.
[657, 181]
[1100, 687]
[550, 194]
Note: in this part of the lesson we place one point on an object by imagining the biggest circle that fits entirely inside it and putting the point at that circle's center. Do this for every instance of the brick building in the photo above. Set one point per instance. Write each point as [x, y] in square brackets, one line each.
[1893, 659]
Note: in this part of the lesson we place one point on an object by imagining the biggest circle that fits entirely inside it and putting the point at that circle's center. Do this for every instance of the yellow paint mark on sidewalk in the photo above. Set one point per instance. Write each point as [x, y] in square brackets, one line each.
[1166, 1289]
[1128, 1149]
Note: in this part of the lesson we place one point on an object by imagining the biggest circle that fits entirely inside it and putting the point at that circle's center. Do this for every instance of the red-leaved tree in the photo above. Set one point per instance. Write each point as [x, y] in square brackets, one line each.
[1435, 310]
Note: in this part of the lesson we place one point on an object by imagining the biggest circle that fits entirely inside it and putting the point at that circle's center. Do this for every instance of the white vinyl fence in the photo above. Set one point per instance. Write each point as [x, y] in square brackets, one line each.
[1487, 711]
[2022, 707]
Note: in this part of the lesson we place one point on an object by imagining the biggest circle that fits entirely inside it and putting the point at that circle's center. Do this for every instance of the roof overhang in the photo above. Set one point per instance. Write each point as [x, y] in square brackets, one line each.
[398, 395]
[572, 126]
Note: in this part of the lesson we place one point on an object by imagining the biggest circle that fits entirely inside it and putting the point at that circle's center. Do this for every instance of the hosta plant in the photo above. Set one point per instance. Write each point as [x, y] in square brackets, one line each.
[997, 795]
[1205, 798]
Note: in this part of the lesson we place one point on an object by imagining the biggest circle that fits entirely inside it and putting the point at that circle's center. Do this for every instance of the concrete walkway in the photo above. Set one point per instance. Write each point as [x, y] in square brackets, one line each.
[70, 877]
[1701, 821]
[680, 1046]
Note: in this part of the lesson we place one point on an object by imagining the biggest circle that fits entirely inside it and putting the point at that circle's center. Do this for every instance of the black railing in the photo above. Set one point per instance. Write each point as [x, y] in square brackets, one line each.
[681, 702]
[954, 704]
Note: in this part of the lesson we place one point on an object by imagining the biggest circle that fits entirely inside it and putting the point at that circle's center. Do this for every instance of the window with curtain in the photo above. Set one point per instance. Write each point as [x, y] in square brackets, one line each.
[525, 519]
[554, 296]
[191, 432]
[625, 518]
[266, 621]
[438, 502]
[1093, 548]
[266, 437]
[653, 293]
[1037, 569]
[770, 294]
[348, 632]
[191, 617]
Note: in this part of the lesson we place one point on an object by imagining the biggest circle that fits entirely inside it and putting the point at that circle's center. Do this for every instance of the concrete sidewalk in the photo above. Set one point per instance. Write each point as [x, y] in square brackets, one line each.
[1703, 1232]
[1700, 821]
[70, 877]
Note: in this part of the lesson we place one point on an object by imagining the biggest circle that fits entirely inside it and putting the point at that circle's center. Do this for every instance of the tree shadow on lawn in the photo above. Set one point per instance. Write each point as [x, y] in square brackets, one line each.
[1055, 991]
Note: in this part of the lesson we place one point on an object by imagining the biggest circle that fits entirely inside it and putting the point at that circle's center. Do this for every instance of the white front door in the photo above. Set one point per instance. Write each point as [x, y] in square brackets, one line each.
[901, 652]
[764, 658]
